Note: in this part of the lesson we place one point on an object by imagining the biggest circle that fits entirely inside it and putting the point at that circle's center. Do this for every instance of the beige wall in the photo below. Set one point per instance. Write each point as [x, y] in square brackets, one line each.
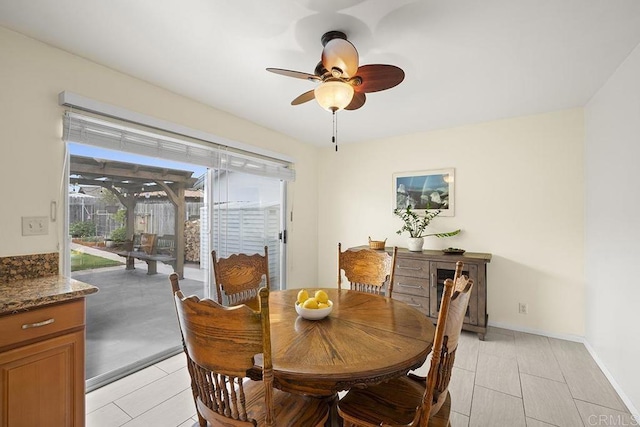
[518, 183]
[518, 195]
[31, 165]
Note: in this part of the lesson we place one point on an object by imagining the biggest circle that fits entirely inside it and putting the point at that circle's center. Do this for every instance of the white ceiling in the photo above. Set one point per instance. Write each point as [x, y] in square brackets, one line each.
[465, 60]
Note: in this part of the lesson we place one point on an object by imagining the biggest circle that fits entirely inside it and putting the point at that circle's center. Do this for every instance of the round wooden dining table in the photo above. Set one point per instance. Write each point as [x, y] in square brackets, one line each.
[365, 340]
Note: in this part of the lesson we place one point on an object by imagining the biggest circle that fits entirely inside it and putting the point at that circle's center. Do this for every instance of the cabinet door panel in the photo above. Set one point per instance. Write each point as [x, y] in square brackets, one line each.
[39, 383]
[440, 271]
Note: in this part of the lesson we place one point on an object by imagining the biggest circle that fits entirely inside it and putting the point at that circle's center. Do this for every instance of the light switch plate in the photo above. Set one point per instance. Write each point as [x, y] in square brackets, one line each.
[35, 225]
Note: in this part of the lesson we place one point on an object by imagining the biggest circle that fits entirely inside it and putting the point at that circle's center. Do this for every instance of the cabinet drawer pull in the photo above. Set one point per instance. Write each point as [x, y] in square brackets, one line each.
[38, 324]
[410, 286]
[433, 280]
[409, 268]
[413, 304]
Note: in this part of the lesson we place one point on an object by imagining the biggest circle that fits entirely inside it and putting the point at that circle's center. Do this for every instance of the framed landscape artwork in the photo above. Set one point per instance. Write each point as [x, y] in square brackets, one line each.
[425, 191]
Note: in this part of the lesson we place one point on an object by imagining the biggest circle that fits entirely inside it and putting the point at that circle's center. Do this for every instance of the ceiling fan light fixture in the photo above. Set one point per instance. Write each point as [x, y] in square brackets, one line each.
[342, 55]
[343, 83]
[333, 95]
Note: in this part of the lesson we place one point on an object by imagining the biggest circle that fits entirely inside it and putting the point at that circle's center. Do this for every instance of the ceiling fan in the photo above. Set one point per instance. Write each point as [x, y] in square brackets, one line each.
[342, 82]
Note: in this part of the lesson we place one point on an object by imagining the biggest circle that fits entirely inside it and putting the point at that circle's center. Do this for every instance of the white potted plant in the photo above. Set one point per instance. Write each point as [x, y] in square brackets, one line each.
[415, 225]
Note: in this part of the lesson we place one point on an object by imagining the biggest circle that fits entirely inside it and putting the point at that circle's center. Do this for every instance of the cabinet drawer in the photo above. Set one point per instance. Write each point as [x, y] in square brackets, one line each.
[418, 286]
[420, 303]
[39, 322]
[412, 267]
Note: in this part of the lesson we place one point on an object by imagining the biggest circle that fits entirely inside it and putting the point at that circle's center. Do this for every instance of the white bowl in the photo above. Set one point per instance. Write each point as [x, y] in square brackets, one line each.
[314, 313]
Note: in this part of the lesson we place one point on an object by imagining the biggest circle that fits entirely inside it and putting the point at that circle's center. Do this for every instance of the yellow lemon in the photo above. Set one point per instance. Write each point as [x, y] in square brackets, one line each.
[303, 295]
[323, 305]
[322, 296]
[310, 303]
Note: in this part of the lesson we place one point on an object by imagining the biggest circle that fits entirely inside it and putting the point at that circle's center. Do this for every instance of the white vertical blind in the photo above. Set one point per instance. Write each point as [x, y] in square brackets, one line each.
[128, 137]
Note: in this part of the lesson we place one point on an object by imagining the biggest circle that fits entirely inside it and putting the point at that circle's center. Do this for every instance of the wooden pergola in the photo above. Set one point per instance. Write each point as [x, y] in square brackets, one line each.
[126, 181]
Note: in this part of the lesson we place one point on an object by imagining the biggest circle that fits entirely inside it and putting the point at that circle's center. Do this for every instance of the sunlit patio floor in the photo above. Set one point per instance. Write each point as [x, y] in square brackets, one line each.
[132, 319]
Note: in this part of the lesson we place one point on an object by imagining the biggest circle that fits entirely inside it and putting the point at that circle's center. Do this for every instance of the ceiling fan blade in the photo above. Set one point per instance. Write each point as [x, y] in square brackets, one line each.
[359, 98]
[296, 74]
[340, 54]
[377, 77]
[305, 97]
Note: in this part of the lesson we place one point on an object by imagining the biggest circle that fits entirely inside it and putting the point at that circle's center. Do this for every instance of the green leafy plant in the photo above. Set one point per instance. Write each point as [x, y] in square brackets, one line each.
[415, 225]
[119, 234]
[82, 229]
[121, 216]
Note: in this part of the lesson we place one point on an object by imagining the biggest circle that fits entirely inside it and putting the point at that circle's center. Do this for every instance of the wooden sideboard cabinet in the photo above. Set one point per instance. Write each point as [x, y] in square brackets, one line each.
[419, 281]
[42, 366]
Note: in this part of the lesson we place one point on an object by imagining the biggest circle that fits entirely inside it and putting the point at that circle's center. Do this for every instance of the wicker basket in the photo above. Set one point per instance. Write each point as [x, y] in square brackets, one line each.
[377, 244]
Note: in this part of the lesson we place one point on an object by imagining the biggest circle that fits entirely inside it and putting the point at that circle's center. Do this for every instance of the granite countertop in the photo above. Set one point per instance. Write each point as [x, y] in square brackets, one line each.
[26, 294]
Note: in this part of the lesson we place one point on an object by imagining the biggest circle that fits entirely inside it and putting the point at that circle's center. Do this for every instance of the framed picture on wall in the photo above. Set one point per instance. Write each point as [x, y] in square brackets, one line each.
[425, 191]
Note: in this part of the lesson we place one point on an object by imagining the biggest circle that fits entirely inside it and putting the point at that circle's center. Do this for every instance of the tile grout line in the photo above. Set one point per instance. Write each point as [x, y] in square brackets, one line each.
[153, 407]
[524, 409]
[132, 391]
[539, 376]
[473, 389]
[573, 399]
[601, 405]
[498, 391]
[559, 365]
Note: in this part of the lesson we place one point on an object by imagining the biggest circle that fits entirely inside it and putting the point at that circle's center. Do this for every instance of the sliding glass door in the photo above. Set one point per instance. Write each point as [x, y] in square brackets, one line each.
[246, 214]
[119, 200]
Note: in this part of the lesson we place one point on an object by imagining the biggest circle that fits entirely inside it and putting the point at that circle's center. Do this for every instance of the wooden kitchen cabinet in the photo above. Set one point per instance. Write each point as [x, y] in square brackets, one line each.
[42, 366]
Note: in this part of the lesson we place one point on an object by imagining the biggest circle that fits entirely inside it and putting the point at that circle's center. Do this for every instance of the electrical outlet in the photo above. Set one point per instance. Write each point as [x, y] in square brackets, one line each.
[523, 308]
[35, 225]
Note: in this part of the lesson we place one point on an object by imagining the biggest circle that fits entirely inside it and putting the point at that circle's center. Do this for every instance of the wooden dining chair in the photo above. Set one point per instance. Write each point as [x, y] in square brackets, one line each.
[414, 401]
[221, 344]
[239, 277]
[367, 270]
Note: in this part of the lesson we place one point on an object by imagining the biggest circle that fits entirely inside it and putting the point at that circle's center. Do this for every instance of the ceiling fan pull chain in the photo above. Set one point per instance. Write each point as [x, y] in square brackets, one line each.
[334, 138]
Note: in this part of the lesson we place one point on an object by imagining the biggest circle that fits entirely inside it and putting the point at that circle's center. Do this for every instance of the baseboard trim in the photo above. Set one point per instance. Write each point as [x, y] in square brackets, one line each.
[577, 338]
[625, 399]
[566, 337]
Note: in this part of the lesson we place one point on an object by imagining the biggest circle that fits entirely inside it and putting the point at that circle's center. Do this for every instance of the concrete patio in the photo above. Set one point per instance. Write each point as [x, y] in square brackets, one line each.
[131, 321]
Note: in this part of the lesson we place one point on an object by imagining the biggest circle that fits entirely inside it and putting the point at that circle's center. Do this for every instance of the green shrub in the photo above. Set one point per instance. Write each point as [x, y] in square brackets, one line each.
[120, 216]
[119, 234]
[82, 229]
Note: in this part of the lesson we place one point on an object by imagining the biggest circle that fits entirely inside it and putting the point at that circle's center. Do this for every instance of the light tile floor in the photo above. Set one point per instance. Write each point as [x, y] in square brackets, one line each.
[511, 379]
